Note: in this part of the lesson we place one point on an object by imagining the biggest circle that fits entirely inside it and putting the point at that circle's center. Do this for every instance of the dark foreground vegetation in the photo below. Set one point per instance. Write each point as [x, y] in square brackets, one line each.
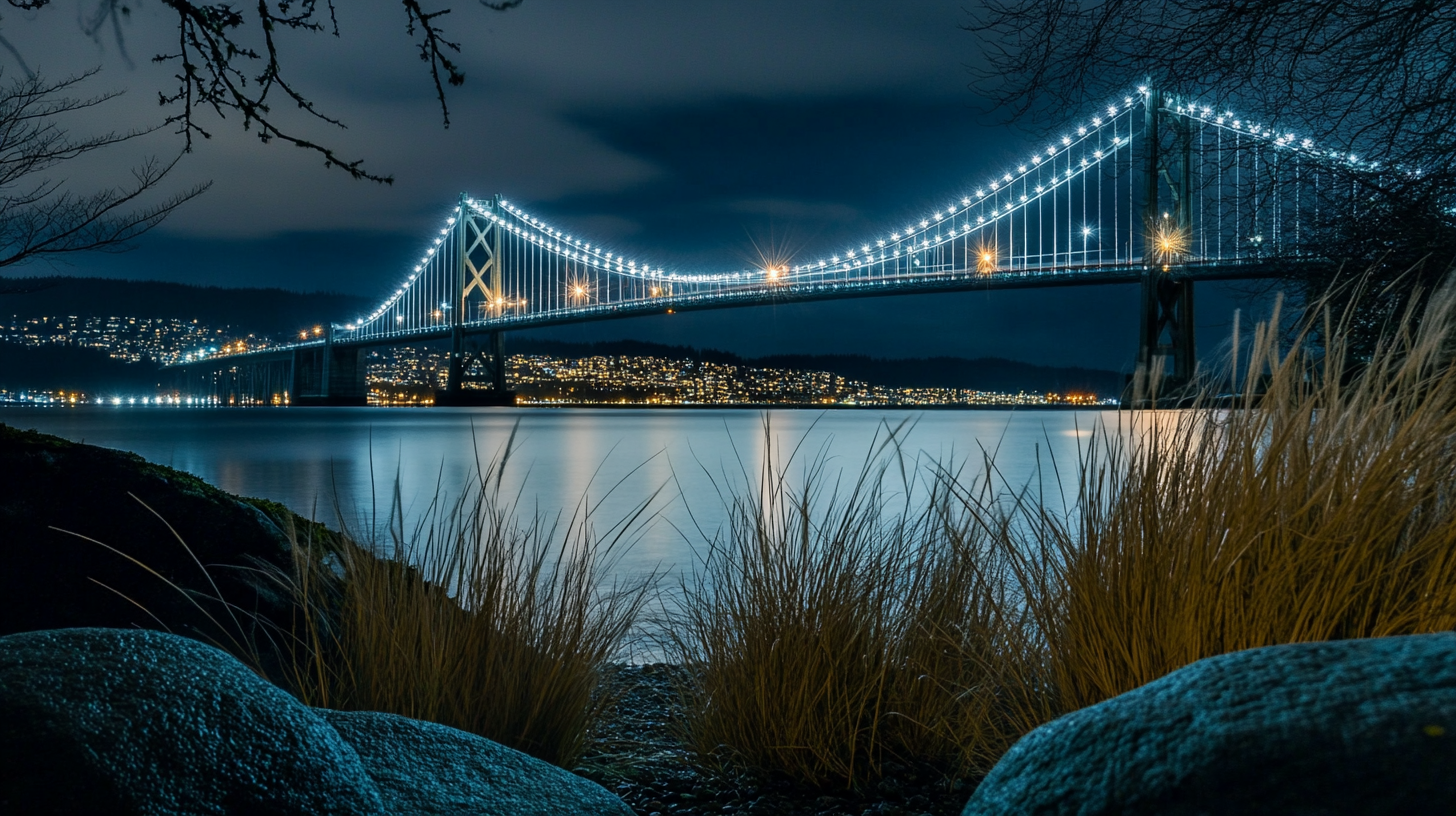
[839, 650]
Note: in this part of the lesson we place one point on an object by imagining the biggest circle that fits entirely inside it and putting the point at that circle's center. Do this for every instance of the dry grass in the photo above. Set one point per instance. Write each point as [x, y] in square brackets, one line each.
[478, 619]
[1320, 508]
[834, 627]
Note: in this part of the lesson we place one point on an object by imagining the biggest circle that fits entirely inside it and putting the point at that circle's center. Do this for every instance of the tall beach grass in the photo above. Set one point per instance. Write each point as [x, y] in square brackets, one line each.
[1319, 508]
[837, 624]
[475, 616]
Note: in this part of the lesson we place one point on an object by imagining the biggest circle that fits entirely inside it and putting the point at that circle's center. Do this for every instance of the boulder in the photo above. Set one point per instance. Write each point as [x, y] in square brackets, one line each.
[51, 579]
[425, 768]
[1346, 727]
[103, 721]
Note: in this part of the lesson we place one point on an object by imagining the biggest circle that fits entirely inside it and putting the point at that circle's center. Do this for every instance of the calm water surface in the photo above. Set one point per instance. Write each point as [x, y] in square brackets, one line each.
[345, 462]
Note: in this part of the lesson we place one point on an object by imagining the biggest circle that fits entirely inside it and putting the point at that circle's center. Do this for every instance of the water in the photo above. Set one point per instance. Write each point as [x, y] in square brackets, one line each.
[328, 463]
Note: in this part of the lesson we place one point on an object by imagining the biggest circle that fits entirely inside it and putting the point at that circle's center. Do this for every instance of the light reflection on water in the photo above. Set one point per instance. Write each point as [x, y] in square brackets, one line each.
[317, 459]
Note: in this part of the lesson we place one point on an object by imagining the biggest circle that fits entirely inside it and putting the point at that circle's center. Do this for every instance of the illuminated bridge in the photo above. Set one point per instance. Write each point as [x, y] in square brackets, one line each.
[1148, 188]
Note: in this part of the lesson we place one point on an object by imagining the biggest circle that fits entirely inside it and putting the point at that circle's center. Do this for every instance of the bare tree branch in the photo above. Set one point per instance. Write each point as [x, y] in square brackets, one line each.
[40, 216]
[219, 71]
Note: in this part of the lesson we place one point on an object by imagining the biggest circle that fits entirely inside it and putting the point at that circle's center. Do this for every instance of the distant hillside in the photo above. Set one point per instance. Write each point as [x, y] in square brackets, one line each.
[262, 311]
[982, 373]
[51, 368]
[280, 313]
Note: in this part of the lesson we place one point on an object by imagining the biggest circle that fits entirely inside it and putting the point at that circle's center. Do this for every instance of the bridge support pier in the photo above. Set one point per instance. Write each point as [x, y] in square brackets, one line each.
[329, 375]
[1166, 349]
[467, 354]
[1167, 359]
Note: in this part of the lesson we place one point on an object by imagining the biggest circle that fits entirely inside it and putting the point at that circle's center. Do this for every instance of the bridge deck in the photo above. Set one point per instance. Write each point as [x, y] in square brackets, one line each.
[956, 280]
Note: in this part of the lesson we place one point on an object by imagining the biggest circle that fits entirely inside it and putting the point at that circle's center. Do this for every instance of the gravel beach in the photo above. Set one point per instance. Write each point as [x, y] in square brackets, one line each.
[637, 754]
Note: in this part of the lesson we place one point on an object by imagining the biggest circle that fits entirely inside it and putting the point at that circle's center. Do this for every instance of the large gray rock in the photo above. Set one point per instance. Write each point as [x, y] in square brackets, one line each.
[1349, 727]
[106, 721]
[425, 768]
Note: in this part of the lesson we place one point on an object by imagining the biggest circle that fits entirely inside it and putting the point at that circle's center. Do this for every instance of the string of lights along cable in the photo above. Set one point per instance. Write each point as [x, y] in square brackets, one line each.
[1075, 207]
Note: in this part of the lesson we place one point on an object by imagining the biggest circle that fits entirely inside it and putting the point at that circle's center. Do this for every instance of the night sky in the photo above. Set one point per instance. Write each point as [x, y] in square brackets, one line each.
[698, 133]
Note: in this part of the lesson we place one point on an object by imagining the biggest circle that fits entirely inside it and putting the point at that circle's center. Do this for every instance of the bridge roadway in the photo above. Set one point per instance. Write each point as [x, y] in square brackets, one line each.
[956, 280]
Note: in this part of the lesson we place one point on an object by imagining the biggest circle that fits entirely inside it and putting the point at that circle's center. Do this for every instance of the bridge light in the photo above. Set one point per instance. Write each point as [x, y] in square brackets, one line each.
[1111, 111]
[880, 242]
[1019, 169]
[966, 202]
[924, 224]
[1036, 159]
[1082, 130]
[1066, 140]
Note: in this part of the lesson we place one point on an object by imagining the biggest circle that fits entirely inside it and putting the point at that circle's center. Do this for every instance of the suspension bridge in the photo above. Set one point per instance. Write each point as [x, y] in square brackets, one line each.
[1149, 188]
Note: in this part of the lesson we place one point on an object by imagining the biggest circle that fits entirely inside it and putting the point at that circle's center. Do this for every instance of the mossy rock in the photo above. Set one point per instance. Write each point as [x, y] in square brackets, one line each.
[55, 495]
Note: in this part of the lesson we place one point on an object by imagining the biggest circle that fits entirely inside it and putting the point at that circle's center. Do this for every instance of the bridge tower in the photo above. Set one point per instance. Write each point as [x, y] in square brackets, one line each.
[1165, 332]
[480, 296]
